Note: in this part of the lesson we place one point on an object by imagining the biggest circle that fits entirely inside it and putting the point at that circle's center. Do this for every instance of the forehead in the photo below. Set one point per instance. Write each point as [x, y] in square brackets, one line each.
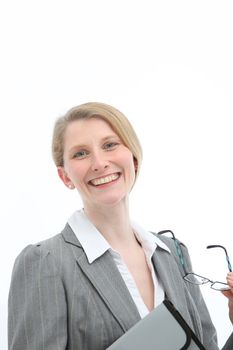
[83, 130]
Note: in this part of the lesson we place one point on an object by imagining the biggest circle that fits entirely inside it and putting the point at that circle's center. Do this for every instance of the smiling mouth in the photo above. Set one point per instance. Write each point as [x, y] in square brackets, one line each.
[105, 179]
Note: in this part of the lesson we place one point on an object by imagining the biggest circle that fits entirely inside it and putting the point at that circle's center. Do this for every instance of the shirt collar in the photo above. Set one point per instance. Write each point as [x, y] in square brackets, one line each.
[94, 244]
[148, 240]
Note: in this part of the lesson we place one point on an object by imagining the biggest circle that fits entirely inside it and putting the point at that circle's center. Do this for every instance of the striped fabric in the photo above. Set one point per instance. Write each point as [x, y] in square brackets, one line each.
[58, 301]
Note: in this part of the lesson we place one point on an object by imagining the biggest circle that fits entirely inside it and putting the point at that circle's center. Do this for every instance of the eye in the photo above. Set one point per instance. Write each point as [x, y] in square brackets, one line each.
[80, 154]
[110, 145]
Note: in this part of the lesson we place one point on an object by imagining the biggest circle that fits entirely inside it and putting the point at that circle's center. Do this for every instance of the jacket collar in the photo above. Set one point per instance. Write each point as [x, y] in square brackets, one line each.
[94, 244]
[106, 279]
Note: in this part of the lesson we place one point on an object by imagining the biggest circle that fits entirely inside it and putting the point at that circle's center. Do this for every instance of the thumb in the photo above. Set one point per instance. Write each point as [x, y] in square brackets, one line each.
[228, 294]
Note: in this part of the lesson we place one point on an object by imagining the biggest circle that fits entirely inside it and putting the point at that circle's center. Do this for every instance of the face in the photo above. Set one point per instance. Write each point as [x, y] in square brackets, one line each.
[97, 163]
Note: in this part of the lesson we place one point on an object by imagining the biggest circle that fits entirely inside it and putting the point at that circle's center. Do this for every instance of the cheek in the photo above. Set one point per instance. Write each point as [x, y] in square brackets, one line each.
[76, 172]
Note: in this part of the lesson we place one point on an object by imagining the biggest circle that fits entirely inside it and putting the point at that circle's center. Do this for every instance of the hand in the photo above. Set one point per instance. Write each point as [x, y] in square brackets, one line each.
[229, 294]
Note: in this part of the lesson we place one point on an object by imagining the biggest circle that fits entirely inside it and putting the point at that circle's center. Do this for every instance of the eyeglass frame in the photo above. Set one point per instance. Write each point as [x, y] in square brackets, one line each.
[182, 262]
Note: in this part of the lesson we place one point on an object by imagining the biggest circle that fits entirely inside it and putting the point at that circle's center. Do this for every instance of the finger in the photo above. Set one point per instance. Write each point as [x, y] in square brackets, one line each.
[228, 294]
[230, 282]
[230, 275]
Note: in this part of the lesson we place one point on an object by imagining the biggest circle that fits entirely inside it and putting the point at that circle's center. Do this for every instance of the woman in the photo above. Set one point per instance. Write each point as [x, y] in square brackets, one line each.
[85, 287]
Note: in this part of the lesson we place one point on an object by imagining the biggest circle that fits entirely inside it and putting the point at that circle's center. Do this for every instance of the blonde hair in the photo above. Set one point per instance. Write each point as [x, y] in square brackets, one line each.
[117, 121]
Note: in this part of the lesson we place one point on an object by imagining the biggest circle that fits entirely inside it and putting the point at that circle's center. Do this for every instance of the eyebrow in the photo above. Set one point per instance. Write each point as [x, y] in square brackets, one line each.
[104, 139]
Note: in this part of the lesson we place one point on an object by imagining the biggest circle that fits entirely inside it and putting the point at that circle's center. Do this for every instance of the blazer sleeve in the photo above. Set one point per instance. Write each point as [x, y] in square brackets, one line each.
[37, 309]
[209, 332]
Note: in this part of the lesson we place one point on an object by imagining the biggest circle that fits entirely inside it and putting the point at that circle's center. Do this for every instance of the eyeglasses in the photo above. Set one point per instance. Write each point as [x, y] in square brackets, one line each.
[194, 278]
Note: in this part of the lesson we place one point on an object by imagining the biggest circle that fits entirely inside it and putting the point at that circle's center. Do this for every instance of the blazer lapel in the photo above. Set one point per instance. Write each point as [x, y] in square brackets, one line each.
[172, 281]
[106, 279]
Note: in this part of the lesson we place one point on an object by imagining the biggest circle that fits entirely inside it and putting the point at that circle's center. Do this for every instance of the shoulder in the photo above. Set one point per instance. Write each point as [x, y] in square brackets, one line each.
[169, 241]
[55, 253]
[37, 255]
[176, 253]
[182, 255]
[41, 248]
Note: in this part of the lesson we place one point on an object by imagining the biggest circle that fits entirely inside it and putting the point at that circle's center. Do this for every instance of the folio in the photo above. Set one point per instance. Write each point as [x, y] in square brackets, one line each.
[162, 329]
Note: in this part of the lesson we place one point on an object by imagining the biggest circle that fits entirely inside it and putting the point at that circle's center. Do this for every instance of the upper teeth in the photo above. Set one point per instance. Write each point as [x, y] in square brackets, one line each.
[104, 180]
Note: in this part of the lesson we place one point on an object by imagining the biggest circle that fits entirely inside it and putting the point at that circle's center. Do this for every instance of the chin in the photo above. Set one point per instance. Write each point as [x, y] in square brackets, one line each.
[111, 201]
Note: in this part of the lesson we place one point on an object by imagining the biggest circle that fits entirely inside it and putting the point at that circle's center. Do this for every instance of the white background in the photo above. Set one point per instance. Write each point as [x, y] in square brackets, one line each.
[168, 66]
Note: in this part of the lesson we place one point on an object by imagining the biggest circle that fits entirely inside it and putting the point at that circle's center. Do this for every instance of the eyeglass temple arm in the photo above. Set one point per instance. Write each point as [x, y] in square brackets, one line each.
[227, 256]
[178, 248]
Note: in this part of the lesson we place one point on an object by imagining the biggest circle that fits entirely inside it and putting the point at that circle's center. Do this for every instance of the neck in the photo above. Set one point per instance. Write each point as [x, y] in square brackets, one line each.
[113, 222]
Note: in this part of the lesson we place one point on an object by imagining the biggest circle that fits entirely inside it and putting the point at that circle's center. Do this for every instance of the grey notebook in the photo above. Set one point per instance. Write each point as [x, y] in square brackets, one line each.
[162, 329]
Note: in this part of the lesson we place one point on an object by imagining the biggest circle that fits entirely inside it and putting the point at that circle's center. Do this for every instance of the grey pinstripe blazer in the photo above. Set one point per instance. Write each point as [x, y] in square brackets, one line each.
[59, 301]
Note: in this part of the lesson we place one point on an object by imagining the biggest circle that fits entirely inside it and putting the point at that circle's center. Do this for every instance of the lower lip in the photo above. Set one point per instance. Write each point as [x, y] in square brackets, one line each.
[108, 184]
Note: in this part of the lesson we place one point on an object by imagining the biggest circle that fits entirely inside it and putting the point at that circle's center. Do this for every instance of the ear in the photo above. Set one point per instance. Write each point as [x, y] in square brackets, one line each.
[64, 177]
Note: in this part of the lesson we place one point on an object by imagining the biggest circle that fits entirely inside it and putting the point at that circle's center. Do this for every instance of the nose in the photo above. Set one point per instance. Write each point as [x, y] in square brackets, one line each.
[99, 162]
